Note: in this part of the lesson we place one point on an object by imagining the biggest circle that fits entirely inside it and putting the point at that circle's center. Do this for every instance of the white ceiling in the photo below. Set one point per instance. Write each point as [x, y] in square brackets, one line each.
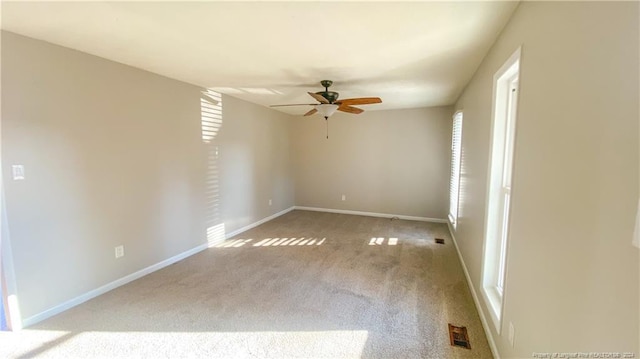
[411, 54]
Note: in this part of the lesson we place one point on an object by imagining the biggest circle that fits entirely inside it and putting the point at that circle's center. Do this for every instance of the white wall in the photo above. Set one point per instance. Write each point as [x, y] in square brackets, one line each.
[394, 162]
[114, 155]
[573, 276]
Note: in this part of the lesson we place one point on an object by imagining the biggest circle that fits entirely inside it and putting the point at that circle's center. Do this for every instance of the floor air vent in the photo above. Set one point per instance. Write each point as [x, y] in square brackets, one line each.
[439, 240]
[459, 336]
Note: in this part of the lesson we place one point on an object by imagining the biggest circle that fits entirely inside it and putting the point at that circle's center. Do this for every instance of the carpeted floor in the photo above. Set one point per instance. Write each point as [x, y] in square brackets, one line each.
[305, 285]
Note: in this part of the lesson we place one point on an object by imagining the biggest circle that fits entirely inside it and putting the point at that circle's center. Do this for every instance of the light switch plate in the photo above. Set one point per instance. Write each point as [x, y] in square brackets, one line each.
[18, 172]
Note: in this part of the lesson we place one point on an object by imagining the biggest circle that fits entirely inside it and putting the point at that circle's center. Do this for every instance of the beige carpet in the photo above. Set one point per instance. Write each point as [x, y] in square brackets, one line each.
[305, 285]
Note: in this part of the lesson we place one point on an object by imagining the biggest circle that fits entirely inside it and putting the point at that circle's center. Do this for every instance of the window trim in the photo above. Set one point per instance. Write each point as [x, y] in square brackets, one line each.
[493, 294]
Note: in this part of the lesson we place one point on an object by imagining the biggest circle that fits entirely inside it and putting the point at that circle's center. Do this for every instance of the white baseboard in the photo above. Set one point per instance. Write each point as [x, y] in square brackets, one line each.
[110, 286]
[483, 319]
[141, 273]
[255, 224]
[372, 214]
[133, 276]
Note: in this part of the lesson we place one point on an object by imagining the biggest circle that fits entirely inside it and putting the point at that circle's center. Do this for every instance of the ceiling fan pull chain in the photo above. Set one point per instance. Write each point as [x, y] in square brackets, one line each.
[326, 119]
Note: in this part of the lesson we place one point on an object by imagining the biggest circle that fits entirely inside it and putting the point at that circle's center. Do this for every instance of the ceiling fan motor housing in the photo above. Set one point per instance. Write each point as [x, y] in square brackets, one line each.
[331, 96]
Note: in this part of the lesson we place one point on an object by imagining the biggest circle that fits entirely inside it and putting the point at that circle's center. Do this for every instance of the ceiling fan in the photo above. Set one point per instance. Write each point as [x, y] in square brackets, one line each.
[329, 103]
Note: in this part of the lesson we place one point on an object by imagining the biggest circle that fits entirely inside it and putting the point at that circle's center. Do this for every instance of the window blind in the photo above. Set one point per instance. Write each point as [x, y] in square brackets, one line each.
[454, 181]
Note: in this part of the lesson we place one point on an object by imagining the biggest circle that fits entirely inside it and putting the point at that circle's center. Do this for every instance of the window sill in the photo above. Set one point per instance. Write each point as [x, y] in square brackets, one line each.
[452, 221]
[494, 304]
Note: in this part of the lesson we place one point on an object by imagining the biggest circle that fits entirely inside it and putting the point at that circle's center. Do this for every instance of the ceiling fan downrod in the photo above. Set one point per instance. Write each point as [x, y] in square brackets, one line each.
[326, 84]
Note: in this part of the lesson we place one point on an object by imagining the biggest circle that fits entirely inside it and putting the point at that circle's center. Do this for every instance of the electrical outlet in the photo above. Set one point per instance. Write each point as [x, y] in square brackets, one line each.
[344, 197]
[511, 333]
[119, 251]
[270, 202]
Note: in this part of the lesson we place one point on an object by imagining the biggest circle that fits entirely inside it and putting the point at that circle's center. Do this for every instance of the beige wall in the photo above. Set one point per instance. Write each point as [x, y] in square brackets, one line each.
[394, 162]
[572, 281]
[114, 155]
[254, 161]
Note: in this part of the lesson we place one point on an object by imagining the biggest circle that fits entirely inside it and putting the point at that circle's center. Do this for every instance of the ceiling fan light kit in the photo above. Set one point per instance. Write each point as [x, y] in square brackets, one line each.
[329, 104]
[326, 109]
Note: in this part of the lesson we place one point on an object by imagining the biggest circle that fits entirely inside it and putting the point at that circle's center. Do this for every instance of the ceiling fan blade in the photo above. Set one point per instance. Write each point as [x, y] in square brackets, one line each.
[360, 101]
[297, 104]
[350, 109]
[319, 98]
[311, 112]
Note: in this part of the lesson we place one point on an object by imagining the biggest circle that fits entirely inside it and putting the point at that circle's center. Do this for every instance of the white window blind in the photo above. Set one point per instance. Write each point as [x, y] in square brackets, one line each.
[454, 181]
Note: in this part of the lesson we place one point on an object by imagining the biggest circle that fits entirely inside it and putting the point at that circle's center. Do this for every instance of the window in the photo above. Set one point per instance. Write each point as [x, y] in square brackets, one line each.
[454, 181]
[505, 99]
